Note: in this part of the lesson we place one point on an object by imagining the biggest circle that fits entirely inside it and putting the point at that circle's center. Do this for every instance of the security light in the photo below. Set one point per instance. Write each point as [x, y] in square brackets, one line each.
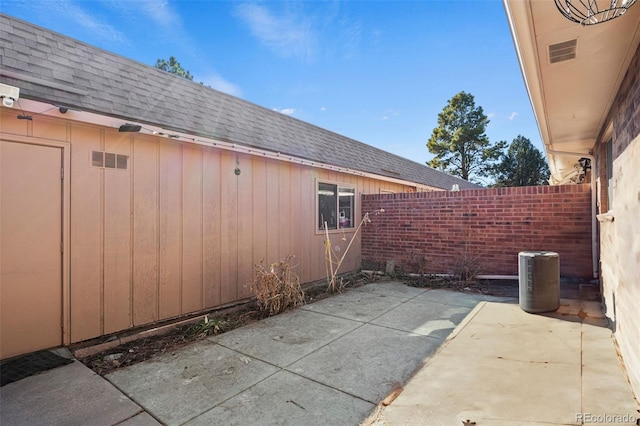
[9, 94]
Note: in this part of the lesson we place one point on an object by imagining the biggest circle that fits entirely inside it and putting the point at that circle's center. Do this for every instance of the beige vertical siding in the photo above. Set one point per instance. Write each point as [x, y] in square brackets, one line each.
[169, 232]
[87, 244]
[259, 220]
[245, 238]
[117, 196]
[48, 130]
[307, 222]
[296, 221]
[192, 295]
[211, 228]
[179, 231]
[284, 211]
[271, 211]
[144, 169]
[229, 231]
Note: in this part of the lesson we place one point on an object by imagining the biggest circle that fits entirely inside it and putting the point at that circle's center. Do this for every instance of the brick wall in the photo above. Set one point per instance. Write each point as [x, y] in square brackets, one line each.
[625, 111]
[433, 230]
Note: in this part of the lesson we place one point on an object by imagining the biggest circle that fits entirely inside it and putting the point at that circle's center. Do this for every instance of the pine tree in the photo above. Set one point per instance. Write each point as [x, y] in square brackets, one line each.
[522, 165]
[459, 143]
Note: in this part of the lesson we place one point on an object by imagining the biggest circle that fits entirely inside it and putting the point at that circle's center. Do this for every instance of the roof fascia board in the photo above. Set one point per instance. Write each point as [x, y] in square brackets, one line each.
[46, 109]
[523, 34]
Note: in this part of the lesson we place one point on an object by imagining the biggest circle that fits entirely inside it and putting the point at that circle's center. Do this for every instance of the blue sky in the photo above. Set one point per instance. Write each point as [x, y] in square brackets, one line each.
[376, 71]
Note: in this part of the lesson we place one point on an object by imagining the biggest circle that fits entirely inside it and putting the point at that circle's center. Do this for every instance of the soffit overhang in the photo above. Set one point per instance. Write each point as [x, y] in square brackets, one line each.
[571, 98]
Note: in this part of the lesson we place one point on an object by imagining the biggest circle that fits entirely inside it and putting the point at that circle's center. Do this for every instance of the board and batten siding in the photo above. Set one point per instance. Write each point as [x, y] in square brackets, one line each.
[179, 231]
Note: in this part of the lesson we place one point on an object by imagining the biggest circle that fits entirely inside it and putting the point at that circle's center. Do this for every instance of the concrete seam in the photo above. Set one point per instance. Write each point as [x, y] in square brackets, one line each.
[466, 321]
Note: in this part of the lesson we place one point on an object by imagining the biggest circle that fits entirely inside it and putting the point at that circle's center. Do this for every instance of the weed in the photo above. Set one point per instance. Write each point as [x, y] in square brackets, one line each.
[206, 327]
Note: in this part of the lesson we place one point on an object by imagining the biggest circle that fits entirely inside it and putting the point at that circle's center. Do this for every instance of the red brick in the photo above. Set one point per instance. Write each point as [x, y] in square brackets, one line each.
[495, 223]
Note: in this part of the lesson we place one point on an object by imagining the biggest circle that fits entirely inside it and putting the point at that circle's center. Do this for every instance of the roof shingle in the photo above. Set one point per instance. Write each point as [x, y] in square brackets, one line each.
[105, 83]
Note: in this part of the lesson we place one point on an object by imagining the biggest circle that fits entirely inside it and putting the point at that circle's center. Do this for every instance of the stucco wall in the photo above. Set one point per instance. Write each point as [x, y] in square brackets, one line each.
[620, 259]
[620, 230]
[431, 231]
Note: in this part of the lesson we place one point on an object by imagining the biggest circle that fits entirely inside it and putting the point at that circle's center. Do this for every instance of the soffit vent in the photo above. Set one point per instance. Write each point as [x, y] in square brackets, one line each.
[562, 51]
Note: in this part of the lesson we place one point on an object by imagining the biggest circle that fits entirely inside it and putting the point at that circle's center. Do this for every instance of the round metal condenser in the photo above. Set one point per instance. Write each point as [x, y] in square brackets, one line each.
[539, 276]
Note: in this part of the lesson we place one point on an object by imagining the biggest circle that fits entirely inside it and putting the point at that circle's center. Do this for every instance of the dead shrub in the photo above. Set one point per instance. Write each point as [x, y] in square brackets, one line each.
[333, 260]
[466, 266]
[419, 263]
[276, 286]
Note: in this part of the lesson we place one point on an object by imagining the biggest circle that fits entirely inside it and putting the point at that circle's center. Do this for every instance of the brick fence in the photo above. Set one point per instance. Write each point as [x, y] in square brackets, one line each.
[433, 232]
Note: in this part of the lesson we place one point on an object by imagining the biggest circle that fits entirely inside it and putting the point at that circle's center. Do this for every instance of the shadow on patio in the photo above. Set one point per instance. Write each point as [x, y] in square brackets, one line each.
[334, 361]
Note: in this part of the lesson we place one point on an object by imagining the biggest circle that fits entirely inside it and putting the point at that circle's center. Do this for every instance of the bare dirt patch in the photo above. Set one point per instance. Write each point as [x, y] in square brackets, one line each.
[504, 288]
[148, 347]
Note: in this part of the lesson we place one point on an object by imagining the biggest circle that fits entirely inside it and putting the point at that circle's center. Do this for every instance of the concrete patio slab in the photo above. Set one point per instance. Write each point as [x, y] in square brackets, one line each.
[392, 288]
[330, 362]
[142, 419]
[514, 335]
[179, 386]
[285, 338]
[570, 307]
[469, 300]
[602, 376]
[369, 362]
[68, 395]
[288, 399]
[504, 366]
[357, 305]
[424, 317]
[592, 309]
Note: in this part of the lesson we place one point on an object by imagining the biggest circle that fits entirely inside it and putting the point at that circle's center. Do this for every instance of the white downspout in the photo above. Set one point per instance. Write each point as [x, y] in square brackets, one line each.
[594, 236]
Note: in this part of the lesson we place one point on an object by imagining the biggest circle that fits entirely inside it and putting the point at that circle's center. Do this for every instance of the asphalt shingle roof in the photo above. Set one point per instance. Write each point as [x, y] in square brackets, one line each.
[53, 68]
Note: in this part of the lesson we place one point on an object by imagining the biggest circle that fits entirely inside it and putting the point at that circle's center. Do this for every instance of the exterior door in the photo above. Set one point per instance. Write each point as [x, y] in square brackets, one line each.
[30, 248]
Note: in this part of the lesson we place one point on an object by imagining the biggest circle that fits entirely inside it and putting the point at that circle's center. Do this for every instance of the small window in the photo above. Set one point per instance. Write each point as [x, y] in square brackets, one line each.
[336, 206]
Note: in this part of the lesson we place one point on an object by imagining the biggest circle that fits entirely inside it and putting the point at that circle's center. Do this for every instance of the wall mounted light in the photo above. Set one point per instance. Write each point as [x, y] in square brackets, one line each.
[9, 94]
[130, 128]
